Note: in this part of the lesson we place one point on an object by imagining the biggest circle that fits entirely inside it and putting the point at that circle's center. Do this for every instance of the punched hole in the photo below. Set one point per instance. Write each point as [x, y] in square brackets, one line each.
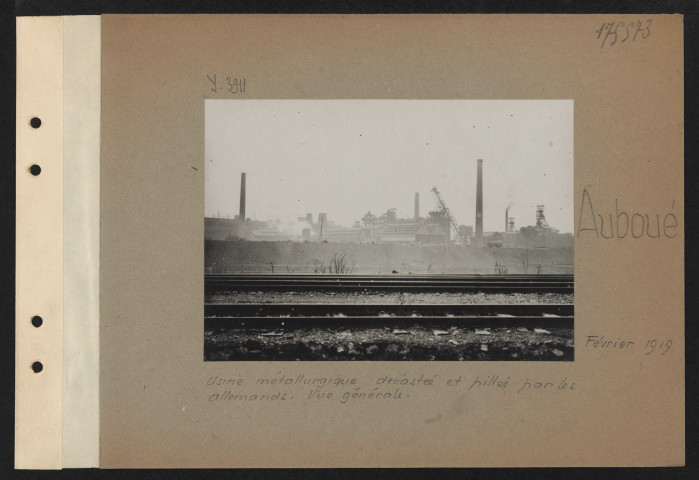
[35, 169]
[37, 367]
[37, 321]
[35, 122]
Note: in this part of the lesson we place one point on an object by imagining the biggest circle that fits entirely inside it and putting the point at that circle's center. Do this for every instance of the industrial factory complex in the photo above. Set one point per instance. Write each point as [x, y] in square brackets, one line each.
[438, 227]
[364, 230]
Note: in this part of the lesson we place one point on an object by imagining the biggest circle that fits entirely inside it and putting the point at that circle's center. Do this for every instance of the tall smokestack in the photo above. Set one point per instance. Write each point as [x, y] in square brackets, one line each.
[417, 205]
[322, 221]
[507, 219]
[242, 196]
[479, 204]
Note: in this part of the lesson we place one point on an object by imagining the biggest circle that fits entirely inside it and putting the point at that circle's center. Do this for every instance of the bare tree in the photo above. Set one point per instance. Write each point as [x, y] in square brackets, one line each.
[389, 257]
[524, 257]
[320, 267]
[339, 263]
[500, 269]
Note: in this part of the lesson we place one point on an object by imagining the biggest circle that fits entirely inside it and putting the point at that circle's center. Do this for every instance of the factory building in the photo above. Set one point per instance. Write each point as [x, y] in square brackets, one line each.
[434, 229]
[229, 228]
[267, 234]
[415, 233]
[220, 228]
[345, 235]
[540, 235]
[399, 233]
[390, 232]
[238, 228]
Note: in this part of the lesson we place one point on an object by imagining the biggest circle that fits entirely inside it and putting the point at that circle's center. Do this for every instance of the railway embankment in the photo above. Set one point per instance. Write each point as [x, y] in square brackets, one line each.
[298, 257]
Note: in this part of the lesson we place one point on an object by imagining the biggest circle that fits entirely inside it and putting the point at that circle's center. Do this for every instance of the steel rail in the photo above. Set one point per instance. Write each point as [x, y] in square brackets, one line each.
[407, 283]
[423, 309]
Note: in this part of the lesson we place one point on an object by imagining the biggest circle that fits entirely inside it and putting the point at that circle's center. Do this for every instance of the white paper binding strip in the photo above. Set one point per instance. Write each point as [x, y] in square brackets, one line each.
[81, 204]
[39, 243]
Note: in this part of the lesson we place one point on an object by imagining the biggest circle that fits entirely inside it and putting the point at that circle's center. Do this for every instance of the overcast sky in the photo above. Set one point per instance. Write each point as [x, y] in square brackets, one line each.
[346, 157]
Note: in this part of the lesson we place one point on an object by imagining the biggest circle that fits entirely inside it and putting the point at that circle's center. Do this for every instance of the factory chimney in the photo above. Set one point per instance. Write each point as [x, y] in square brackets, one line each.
[322, 221]
[479, 204]
[507, 219]
[242, 196]
[417, 205]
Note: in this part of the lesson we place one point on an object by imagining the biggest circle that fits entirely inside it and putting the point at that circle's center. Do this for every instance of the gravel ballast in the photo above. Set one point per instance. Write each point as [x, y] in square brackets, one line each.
[447, 342]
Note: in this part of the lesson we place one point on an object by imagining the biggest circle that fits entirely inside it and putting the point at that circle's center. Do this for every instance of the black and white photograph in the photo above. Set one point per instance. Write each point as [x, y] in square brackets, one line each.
[388, 230]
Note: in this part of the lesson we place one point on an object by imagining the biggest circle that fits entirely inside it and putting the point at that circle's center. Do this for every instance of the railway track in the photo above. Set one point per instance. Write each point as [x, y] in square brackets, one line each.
[393, 283]
[327, 315]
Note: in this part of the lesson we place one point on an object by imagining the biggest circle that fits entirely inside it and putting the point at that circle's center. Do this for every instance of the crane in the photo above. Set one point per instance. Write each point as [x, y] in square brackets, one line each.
[447, 213]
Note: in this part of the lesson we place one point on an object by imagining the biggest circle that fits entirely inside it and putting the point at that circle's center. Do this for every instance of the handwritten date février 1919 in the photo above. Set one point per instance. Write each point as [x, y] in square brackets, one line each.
[612, 32]
[650, 347]
[233, 85]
